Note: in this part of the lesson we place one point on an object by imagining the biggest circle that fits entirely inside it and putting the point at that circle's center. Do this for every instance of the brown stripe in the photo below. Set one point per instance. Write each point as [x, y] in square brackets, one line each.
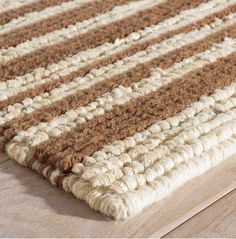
[62, 20]
[39, 5]
[46, 87]
[108, 33]
[132, 75]
[135, 116]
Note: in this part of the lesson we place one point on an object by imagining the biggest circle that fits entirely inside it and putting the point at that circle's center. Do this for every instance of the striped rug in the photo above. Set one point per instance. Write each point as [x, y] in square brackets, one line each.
[118, 102]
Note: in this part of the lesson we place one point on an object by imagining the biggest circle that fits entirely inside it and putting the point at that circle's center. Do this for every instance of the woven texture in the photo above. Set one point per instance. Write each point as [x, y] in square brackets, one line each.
[118, 102]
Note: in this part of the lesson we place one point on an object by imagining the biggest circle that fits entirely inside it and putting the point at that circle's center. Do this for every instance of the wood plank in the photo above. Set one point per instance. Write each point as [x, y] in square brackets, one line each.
[3, 158]
[31, 207]
[216, 221]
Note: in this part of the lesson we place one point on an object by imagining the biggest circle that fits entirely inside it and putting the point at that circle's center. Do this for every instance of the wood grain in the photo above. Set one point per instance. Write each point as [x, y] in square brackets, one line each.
[31, 207]
[216, 221]
[3, 158]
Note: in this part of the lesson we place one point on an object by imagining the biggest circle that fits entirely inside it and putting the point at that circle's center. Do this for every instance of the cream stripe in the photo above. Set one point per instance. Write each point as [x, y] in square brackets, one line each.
[70, 64]
[80, 188]
[117, 13]
[33, 17]
[121, 206]
[21, 145]
[104, 73]
[6, 5]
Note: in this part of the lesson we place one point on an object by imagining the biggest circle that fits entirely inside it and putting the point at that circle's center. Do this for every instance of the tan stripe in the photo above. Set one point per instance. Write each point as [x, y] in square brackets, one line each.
[58, 36]
[108, 33]
[25, 141]
[125, 120]
[34, 17]
[111, 59]
[58, 21]
[39, 5]
[130, 76]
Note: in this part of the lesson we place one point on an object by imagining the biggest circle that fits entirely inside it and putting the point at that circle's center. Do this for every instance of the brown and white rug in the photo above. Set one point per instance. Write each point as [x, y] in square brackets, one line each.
[118, 102]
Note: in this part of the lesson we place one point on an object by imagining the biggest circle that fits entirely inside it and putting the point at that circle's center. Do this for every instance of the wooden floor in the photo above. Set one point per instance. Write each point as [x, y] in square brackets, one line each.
[31, 207]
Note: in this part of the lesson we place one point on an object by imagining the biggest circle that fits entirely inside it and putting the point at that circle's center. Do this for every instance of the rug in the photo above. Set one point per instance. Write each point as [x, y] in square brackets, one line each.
[119, 102]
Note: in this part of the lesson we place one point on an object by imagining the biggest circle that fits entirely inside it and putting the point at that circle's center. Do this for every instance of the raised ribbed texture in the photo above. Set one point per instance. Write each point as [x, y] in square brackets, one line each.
[118, 102]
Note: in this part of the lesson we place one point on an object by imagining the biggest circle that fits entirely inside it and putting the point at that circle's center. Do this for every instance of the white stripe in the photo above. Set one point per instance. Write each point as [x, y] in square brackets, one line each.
[104, 73]
[21, 145]
[6, 5]
[117, 13]
[34, 17]
[70, 64]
